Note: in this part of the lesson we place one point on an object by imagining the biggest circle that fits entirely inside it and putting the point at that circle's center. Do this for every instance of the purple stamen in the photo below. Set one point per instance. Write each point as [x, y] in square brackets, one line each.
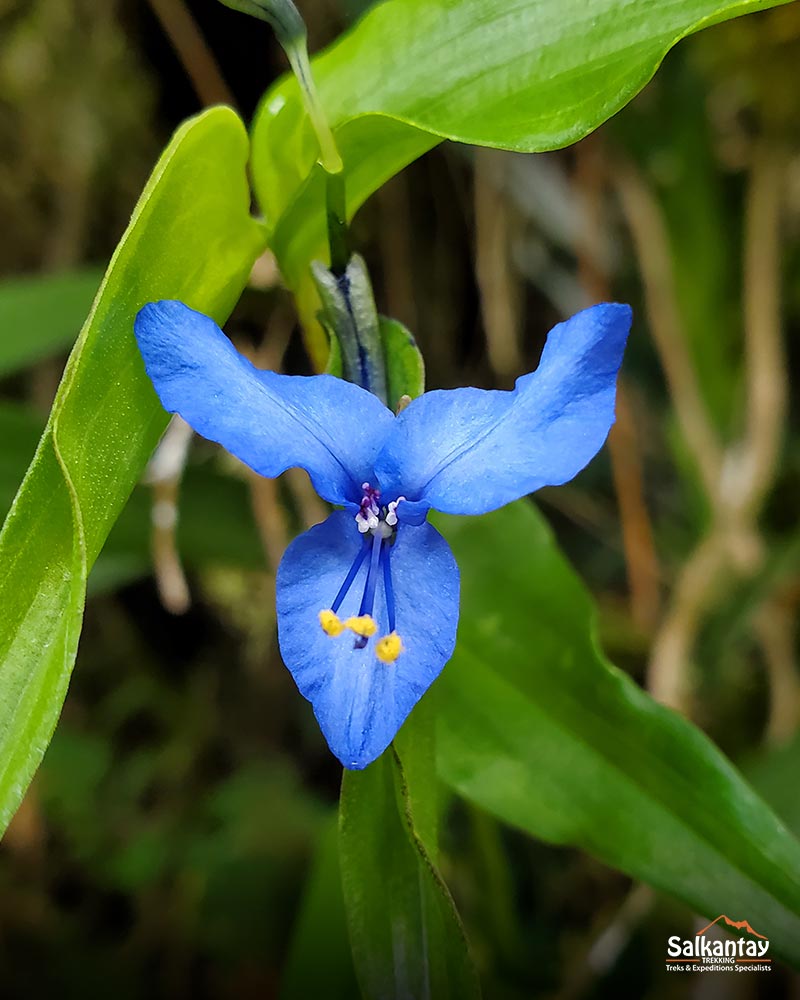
[370, 498]
[369, 509]
[388, 588]
[368, 600]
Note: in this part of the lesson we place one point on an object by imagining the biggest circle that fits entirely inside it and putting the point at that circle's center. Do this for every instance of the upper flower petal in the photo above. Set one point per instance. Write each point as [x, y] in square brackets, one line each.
[359, 701]
[469, 451]
[272, 422]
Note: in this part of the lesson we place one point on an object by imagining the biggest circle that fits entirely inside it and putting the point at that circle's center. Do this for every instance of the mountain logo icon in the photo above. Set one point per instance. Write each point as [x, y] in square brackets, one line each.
[738, 925]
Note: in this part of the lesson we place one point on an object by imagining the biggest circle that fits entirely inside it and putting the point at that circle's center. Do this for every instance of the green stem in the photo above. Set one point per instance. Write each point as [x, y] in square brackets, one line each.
[290, 30]
[336, 213]
[297, 53]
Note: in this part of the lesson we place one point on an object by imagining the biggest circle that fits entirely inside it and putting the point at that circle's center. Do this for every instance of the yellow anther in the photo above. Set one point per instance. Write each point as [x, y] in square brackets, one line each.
[364, 625]
[389, 648]
[331, 623]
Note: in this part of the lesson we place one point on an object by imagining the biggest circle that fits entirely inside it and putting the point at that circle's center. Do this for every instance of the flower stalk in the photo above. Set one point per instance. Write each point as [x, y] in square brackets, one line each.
[290, 30]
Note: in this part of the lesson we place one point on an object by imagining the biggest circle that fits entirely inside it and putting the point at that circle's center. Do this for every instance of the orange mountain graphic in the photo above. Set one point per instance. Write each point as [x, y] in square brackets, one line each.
[739, 925]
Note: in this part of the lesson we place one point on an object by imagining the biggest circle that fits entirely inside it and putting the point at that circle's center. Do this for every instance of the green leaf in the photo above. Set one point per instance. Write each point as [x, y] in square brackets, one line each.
[41, 316]
[191, 237]
[405, 368]
[207, 497]
[532, 75]
[406, 936]
[538, 729]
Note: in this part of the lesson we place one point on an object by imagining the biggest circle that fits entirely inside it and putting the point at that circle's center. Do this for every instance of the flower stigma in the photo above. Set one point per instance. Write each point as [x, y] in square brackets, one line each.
[378, 526]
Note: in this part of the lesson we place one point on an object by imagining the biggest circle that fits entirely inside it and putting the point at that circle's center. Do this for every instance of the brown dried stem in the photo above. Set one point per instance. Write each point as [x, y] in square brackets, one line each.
[499, 290]
[767, 379]
[164, 474]
[697, 586]
[641, 560]
[737, 479]
[776, 627]
[651, 241]
[193, 51]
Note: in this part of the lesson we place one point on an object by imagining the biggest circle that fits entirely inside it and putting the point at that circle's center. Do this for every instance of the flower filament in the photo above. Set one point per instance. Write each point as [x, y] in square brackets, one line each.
[378, 526]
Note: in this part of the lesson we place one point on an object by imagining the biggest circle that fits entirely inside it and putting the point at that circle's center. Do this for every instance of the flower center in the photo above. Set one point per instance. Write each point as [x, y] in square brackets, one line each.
[371, 517]
[378, 526]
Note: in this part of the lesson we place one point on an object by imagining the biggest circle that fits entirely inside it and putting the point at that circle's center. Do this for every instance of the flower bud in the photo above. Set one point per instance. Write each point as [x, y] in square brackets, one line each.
[350, 315]
[282, 15]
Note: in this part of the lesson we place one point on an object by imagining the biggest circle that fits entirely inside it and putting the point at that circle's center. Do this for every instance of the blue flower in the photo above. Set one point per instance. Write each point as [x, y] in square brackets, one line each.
[368, 600]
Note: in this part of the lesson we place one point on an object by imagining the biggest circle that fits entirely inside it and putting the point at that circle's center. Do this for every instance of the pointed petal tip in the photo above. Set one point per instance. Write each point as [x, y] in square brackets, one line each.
[617, 318]
[469, 451]
[159, 306]
[355, 748]
[621, 308]
[616, 314]
[169, 310]
[271, 422]
[357, 762]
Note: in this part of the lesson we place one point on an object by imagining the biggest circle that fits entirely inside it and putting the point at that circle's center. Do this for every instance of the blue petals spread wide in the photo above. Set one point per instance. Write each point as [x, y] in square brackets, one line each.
[368, 601]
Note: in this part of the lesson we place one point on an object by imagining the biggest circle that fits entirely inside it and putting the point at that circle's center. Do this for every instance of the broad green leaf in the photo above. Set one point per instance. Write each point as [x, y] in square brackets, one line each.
[538, 729]
[191, 237]
[530, 75]
[406, 936]
[42, 315]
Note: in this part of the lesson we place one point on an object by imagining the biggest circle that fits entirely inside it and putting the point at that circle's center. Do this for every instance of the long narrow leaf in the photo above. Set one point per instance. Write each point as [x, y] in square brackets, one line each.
[191, 237]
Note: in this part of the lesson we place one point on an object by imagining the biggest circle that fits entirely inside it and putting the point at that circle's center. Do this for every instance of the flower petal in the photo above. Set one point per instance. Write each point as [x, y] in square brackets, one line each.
[469, 451]
[272, 422]
[360, 702]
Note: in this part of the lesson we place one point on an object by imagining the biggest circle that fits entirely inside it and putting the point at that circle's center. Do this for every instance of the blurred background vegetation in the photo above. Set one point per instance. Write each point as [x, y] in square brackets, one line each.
[165, 847]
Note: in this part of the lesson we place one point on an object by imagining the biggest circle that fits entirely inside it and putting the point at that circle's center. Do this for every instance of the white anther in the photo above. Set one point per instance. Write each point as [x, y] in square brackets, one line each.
[367, 521]
[391, 515]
